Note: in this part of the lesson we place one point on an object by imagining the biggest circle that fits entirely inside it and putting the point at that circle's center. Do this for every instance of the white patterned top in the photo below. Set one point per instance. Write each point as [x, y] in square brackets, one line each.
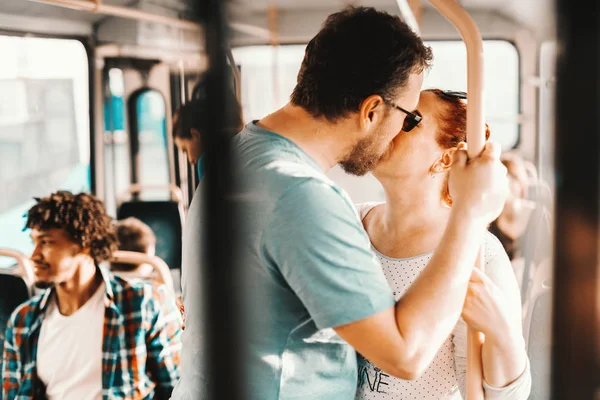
[445, 377]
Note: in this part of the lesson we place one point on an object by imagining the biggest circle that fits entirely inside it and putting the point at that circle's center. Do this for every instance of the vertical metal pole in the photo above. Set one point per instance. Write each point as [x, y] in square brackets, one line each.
[223, 361]
[576, 334]
[476, 140]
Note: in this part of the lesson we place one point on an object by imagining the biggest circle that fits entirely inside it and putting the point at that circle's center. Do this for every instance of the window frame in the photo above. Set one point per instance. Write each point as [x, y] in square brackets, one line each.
[519, 83]
[134, 143]
[88, 44]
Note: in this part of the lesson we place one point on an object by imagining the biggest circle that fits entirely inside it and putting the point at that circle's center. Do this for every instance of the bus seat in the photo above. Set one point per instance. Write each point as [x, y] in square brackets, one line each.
[538, 331]
[15, 285]
[537, 238]
[14, 291]
[23, 268]
[542, 282]
[164, 218]
[540, 346]
[518, 265]
[163, 274]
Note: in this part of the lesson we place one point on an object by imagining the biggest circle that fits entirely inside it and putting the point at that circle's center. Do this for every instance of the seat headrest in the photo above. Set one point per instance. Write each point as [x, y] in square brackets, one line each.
[164, 218]
[14, 292]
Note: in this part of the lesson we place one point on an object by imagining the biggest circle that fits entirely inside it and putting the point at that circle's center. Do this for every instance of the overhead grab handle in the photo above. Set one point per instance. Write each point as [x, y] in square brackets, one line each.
[99, 7]
[408, 15]
[476, 142]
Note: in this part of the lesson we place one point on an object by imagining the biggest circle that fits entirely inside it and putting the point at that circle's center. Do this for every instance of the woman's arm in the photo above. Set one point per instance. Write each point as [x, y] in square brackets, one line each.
[519, 389]
[493, 306]
[488, 309]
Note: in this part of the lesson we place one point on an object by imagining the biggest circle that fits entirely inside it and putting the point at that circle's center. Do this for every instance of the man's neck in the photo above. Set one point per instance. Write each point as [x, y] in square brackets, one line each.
[73, 294]
[319, 138]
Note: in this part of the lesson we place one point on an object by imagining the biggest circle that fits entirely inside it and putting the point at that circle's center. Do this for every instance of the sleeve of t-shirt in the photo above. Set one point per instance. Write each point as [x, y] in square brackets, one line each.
[316, 241]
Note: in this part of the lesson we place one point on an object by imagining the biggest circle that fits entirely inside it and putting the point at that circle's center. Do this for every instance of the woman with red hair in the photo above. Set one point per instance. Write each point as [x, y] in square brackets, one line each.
[405, 231]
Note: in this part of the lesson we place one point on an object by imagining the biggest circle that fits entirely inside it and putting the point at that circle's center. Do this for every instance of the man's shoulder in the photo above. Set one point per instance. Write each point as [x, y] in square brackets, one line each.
[311, 204]
[265, 154]
[133, 294]
[315, 190]
[274, 178]
[26, 313]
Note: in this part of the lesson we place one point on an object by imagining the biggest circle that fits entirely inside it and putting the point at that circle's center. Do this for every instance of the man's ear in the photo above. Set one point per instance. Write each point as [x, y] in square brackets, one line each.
[443, 163]
[371, 109]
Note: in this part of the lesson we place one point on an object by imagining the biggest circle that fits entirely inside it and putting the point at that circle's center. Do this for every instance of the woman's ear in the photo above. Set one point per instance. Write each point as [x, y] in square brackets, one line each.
[443, 163]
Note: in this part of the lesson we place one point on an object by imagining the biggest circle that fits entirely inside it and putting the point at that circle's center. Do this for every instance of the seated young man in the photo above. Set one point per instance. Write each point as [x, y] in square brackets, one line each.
[90, 335]
[134, 235]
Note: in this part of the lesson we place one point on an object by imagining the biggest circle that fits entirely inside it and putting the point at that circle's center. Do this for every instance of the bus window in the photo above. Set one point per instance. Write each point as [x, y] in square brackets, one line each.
[270, 76]
[151, 131]
[116, 147]
[44, 128]
[501, 74]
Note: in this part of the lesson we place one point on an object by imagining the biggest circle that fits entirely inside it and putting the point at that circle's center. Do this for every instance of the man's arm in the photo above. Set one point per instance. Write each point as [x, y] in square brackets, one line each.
[163, 342]
[403, 339]
[11, 364]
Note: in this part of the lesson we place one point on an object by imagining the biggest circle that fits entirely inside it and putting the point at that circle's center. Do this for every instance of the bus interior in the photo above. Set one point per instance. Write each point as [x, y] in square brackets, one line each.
[88, 98]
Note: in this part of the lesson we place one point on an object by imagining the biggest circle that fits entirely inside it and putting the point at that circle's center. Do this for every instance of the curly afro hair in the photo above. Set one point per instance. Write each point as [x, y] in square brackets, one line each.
[82, 216]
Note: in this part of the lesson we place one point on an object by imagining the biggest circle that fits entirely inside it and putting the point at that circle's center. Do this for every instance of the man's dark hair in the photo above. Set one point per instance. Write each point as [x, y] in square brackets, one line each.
[357, 53]
[82, 216]
[193, 115]
[133, 235]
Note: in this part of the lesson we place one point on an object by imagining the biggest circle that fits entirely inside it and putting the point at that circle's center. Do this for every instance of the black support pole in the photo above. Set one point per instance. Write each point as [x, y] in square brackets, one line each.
[575, 367]
[223, 327]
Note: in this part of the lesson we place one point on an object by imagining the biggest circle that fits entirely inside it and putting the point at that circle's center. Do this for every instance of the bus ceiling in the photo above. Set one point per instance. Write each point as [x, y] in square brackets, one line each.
[298, 21]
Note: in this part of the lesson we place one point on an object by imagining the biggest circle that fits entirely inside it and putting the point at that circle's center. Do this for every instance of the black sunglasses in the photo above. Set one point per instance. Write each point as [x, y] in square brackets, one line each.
[411, 119]
[452, 94]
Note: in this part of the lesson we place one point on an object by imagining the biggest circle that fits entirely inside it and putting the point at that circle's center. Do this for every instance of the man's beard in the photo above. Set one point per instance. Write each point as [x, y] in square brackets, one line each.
[363, 157]
[43, 284]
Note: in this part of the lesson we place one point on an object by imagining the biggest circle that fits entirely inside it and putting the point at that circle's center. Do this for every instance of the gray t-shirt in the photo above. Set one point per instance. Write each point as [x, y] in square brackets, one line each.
[306, 266]
[192, 383]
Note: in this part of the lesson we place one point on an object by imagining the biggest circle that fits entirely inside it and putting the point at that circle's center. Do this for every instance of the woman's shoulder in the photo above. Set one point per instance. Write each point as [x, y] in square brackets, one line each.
[363, 208]
[497, 261]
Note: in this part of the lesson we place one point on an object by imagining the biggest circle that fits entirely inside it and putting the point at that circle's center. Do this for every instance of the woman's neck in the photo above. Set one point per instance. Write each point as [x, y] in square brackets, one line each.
[413, 219]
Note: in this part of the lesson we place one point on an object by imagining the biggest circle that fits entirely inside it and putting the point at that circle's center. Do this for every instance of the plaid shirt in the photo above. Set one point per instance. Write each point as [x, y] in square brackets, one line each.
[140, 351]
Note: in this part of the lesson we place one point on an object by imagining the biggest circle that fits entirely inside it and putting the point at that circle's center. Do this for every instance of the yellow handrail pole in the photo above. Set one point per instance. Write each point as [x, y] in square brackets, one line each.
[476, 141]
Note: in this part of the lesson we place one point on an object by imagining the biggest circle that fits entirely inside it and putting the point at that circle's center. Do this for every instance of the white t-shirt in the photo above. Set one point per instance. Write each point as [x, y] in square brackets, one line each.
[446, 376]
[69, 355]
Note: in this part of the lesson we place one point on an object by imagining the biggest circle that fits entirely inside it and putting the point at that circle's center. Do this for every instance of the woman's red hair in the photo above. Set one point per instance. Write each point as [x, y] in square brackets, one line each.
[451, 118]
